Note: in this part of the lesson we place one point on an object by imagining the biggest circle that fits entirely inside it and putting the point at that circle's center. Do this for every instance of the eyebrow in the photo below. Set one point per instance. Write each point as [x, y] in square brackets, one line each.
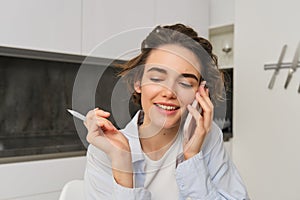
[185, 75]
[157, 69]
[190, 76]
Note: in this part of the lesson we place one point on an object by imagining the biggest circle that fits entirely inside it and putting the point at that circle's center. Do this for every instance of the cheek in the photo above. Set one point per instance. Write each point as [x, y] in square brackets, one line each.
[151, 89]
[148, 91]
[186, 97]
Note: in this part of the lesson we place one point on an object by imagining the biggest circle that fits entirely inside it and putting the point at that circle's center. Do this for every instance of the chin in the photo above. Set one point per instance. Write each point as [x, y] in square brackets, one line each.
[169, 124]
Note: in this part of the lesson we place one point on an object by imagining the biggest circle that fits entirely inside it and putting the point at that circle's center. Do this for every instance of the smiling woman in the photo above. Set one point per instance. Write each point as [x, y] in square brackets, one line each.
[149, 153]
[161, 85]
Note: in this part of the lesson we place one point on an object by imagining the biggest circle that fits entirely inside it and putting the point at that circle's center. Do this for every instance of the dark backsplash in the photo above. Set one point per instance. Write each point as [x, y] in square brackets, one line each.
[36, 91]
[34, 97]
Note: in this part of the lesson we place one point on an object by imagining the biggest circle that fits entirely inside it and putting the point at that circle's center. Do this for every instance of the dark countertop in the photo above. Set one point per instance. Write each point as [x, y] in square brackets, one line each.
[22, 146]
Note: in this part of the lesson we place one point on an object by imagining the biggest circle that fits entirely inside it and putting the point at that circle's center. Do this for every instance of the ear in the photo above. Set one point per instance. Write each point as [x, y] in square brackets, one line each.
[137, 86]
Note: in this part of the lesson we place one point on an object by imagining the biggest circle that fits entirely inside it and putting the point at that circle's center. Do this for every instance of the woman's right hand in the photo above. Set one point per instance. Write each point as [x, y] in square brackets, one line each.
[104, 135]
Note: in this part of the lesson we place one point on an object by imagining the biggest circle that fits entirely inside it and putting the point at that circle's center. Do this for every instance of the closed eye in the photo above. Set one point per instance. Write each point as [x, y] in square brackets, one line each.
[186, 84]
[156, 79]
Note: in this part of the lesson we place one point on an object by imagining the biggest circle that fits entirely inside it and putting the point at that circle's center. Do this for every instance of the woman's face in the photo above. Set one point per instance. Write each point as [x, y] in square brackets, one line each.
[169, 83]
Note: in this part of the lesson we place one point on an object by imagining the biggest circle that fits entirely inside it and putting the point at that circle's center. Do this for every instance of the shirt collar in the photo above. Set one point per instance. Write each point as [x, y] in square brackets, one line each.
[131, 131]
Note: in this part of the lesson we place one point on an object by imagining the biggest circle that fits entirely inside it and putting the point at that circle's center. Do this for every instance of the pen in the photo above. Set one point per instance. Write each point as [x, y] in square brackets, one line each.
[77, 114]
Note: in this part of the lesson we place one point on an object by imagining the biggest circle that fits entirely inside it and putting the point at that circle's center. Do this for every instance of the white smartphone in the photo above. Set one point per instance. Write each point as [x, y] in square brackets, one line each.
[190, 123]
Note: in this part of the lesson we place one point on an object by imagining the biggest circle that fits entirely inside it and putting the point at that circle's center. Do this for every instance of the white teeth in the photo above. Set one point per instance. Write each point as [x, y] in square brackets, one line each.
[166, 107]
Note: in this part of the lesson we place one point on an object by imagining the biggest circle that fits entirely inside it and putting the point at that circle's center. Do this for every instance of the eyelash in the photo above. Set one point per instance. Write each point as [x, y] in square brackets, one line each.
[186, 85]
[155, 79]
[183, 84]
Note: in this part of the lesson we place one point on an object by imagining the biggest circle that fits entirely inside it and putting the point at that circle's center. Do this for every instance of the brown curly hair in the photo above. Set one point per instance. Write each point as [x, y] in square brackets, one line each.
[179, 34]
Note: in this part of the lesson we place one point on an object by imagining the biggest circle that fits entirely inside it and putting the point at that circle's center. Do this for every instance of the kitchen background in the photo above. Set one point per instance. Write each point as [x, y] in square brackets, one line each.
[266, 138]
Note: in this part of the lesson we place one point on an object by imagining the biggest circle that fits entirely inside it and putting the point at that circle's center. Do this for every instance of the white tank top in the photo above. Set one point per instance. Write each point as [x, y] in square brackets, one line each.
[160, 174]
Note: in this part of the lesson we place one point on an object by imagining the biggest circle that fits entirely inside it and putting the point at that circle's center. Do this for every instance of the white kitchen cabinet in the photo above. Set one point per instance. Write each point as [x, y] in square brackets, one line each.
[194, 13]
[39, 180]
[112, 29]
[41, 25]
[115, 29]
[221, 13]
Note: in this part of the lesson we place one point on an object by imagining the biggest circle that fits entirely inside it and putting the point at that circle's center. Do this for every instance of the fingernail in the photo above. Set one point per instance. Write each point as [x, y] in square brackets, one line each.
[203, 83]
[207, 90]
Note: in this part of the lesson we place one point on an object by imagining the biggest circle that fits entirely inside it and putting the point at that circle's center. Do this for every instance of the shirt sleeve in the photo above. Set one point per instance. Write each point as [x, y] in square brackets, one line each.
[210, 174]
[100, 183]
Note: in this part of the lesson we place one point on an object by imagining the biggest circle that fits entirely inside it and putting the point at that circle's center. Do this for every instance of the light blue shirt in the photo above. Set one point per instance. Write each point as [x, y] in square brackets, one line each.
[209, 175]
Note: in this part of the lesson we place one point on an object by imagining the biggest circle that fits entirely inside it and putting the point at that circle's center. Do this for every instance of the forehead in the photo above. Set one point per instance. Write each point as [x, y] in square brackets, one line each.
[174, 57]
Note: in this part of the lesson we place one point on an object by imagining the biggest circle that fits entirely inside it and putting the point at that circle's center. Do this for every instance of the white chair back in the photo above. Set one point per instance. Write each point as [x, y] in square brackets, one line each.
[73, 190]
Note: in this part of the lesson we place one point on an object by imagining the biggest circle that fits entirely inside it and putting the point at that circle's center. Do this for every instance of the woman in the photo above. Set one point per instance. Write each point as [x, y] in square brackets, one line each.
[149, 158]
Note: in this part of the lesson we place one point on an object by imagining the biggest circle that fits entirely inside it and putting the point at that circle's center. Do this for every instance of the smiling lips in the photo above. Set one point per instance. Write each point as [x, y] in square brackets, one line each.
[167, 107]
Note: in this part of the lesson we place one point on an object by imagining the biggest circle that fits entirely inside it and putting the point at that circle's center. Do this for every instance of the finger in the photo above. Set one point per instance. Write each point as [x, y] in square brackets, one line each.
[203, 86]
[91, 114]
[99, 124]
[208, 97]
[194, 112]
[198, 117]
[95, 113]
[206, 107]
[102, 113]
[207, 112]
[105, 124]
[203, 83]
[204, 92]
[195, 142]
[93, 131]
[100, 127]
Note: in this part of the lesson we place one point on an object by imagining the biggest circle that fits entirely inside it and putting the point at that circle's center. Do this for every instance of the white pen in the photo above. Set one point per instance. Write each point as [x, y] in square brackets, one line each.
[77, 114]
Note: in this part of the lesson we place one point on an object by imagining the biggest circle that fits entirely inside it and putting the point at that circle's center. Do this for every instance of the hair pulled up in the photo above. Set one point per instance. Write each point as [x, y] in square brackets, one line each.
[184, 36]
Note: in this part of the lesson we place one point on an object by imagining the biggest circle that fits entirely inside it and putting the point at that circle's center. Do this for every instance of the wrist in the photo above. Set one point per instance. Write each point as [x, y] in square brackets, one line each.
[122, 170]
[188, 155]
[122, 162]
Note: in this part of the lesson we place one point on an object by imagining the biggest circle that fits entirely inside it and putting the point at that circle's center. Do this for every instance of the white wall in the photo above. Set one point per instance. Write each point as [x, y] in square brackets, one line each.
[266, 143]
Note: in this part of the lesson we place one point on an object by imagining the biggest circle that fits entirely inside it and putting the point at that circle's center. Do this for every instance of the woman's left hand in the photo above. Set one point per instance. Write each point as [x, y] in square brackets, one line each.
[203, 122]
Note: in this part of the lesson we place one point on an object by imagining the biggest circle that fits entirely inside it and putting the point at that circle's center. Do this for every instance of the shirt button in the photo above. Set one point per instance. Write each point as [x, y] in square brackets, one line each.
[188, 198]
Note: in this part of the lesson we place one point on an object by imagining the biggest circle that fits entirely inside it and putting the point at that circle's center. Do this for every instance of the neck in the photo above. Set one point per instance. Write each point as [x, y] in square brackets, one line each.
[156, 141]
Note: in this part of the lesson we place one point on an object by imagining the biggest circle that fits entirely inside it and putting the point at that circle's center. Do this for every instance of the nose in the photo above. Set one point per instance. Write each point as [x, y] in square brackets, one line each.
[169, 92]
